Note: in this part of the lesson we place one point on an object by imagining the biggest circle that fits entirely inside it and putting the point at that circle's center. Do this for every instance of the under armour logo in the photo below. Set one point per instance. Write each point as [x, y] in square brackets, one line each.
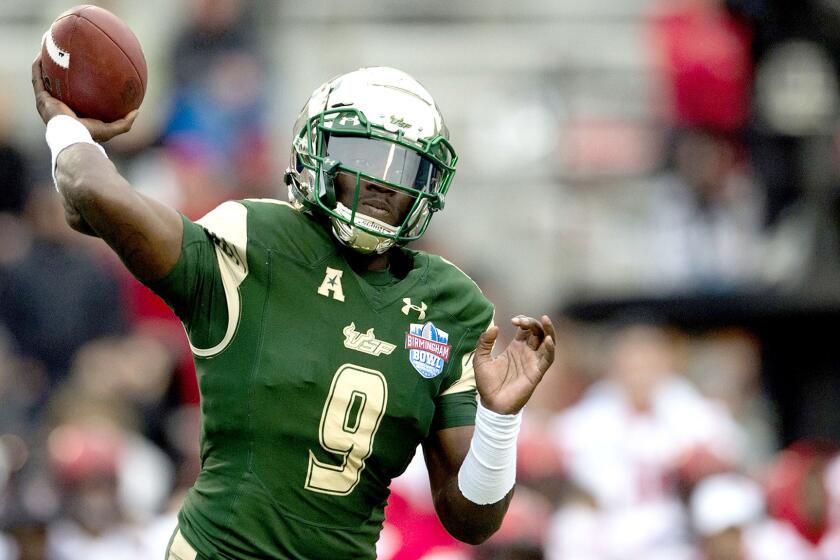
[420, 309]
[332, 284]
[353, 119]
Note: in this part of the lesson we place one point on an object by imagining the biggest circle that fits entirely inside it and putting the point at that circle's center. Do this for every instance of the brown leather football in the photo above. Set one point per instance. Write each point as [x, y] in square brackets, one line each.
[93, 62]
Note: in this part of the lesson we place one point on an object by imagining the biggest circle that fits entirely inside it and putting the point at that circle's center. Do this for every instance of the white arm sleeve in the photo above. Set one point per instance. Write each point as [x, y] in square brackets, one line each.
[489, 469]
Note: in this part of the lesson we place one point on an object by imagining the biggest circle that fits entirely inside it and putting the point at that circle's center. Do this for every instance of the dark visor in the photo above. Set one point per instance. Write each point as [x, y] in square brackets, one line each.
[385, 161]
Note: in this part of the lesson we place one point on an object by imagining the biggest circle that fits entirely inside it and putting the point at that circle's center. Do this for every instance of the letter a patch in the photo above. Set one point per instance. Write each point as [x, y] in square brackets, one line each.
[332, 284]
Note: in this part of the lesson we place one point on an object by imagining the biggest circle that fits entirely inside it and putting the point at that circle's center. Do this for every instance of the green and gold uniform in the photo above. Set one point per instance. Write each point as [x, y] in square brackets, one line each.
[317, 383]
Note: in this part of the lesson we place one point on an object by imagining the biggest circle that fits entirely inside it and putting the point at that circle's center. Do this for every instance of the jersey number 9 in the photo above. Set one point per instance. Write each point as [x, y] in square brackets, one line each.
[349, 422]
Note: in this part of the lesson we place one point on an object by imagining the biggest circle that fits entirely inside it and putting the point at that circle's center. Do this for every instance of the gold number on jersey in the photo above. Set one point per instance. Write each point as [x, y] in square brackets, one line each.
[351, 416]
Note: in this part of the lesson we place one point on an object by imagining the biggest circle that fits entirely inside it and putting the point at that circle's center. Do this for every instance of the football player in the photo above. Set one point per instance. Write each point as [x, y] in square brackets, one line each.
[326, 351]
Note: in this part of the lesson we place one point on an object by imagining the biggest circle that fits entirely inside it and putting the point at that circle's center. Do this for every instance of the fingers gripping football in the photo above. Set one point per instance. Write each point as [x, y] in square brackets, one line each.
[49, 107]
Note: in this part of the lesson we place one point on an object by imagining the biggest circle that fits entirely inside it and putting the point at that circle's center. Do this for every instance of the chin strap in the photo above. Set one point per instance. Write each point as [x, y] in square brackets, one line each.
[358, 239]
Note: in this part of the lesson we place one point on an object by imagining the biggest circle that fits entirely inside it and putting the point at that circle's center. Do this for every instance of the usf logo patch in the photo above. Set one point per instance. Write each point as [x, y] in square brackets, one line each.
[365, 342]
[428, 348]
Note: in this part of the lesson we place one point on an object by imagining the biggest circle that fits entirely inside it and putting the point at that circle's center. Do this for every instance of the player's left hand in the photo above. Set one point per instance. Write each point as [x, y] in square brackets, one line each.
[506, 382]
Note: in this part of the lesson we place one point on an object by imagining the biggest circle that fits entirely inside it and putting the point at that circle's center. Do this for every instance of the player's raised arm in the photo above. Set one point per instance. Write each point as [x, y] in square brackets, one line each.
[97, 199]
[472, 470]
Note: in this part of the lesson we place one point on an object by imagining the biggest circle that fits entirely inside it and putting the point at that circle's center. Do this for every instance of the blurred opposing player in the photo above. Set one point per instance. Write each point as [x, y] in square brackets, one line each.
[325, 350]
[631, 443]
[729, 518]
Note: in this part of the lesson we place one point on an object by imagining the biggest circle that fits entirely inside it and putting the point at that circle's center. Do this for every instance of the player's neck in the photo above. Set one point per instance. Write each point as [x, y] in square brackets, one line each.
[377, 262]
[390, 260]
[361, 262]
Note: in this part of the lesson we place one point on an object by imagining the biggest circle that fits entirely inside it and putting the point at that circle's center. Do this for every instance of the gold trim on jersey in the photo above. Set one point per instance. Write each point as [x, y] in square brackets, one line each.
[467, 380]
[228, 224]
[271, 201]
[180, 549]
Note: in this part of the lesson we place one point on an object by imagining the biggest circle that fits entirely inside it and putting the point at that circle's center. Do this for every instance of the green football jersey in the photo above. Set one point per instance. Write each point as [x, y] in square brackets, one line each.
[317, 383]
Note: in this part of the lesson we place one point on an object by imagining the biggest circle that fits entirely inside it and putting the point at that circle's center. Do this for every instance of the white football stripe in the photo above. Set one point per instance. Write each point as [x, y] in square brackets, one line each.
[60, 57]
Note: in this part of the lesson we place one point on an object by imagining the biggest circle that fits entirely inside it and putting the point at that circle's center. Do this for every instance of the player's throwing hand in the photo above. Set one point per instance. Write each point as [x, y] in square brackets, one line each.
[49, 107]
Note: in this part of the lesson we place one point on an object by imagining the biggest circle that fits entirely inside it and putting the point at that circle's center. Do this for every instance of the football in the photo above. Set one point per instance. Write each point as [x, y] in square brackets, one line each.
[93, 62]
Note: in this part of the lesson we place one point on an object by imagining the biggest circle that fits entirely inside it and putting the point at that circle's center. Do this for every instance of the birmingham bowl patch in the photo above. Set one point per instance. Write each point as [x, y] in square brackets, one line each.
[427, 347]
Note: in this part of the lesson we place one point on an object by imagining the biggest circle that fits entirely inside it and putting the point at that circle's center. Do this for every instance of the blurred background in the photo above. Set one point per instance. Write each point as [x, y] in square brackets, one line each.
[660, 176]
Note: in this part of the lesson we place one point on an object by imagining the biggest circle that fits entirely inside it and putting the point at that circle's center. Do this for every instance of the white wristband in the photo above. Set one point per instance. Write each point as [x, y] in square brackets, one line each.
[64, 131]
[489, 469]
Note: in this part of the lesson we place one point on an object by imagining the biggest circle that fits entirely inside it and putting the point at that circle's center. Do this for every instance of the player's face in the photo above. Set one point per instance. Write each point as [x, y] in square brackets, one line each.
[375, 200]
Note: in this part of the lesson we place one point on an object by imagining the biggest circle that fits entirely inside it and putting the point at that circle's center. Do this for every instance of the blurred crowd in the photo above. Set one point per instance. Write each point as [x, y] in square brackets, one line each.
[645, 441]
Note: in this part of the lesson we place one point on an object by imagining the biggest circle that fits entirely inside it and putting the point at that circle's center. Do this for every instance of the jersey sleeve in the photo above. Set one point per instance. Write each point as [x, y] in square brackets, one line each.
[456, 405]
[202, 288]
